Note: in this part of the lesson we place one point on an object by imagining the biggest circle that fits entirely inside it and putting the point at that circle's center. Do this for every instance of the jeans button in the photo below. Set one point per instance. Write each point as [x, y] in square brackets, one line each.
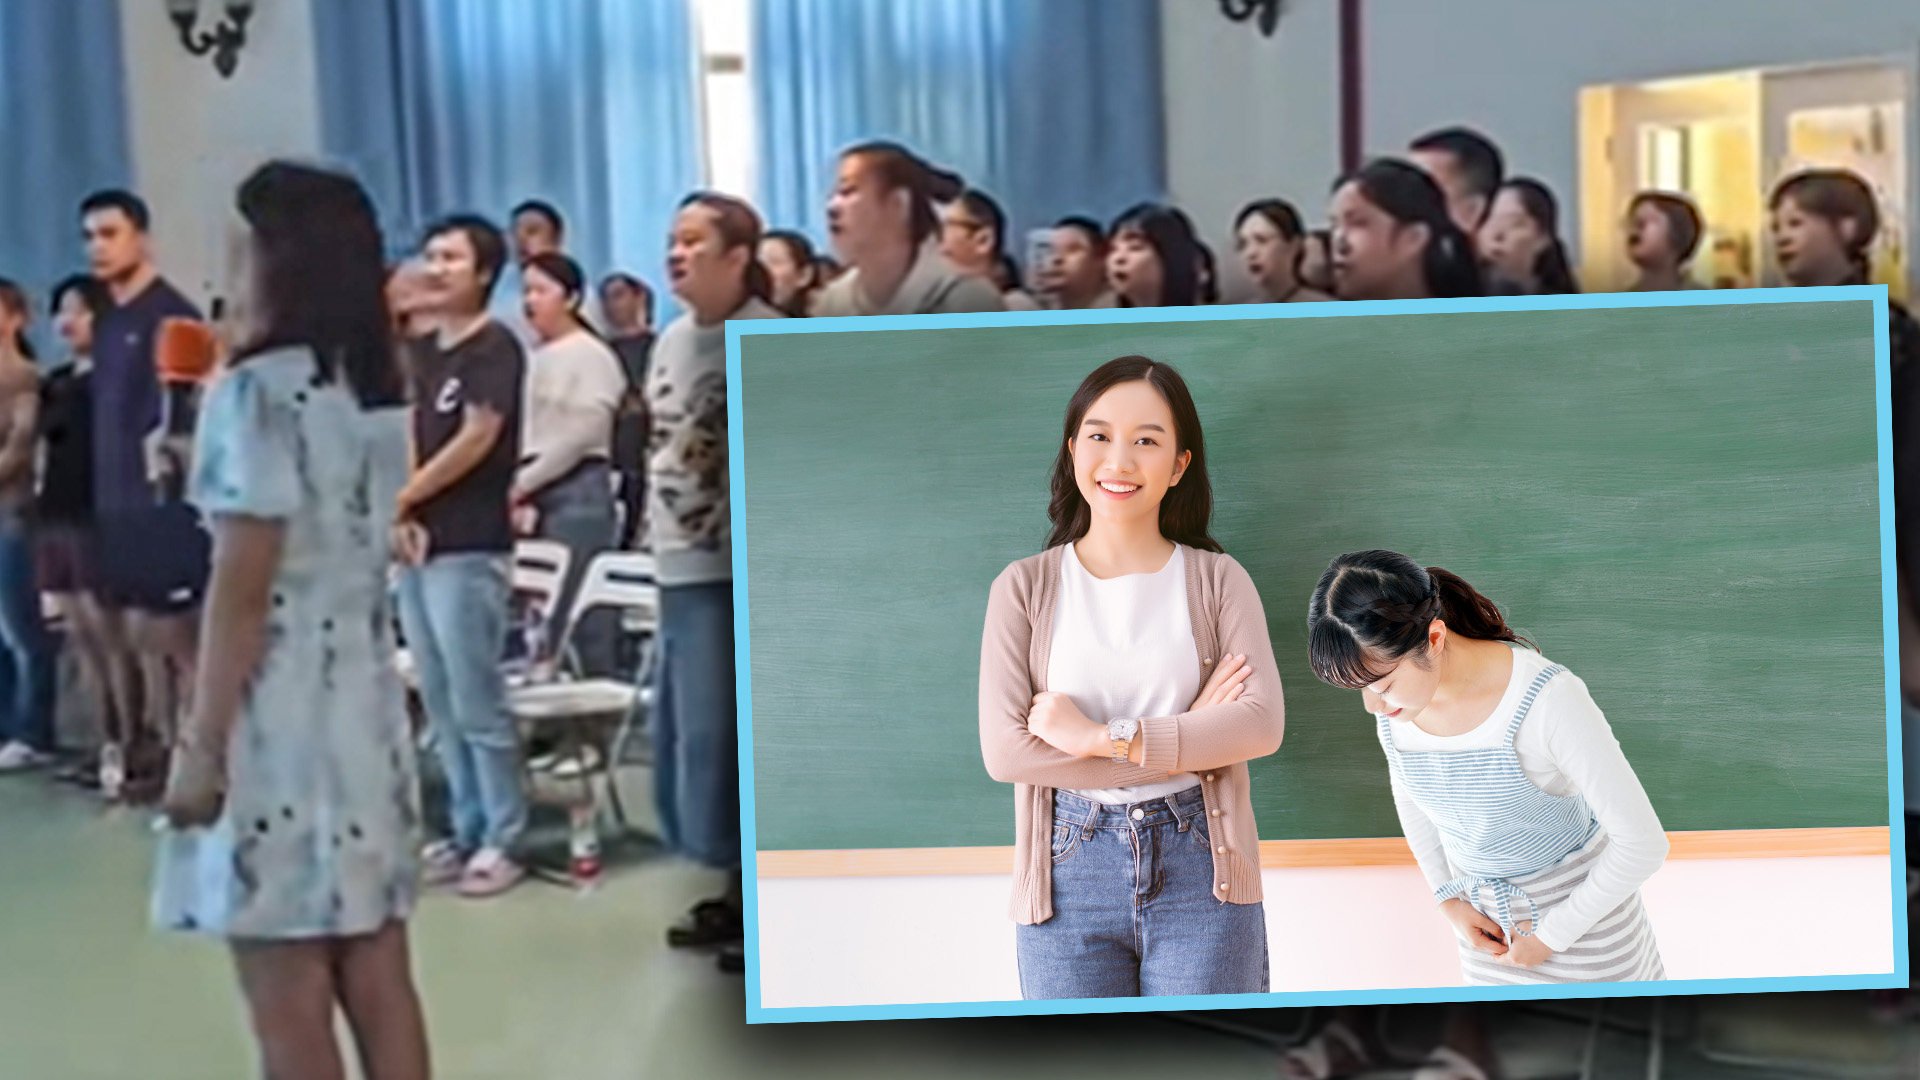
[1138, 814]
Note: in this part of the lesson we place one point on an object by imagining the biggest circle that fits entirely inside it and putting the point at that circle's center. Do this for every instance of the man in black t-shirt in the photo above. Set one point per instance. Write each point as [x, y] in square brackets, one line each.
[455, 534]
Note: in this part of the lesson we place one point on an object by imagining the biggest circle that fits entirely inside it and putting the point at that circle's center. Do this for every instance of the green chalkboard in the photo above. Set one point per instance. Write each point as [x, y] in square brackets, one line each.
[1680, 504]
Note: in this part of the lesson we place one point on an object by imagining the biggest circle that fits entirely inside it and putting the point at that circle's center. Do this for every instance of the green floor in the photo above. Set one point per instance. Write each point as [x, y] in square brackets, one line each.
[539, 983]
[547, 983]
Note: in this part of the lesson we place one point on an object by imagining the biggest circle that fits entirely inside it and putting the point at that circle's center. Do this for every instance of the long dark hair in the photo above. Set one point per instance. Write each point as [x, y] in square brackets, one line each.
[1187, 510]
[1170, 233]
[1551, 271]
[1372, 609]
[1836, 195]
[14, 298]
[901, 169]
[320, 276]
[739, 226]
[1408, 195]
[800, 250]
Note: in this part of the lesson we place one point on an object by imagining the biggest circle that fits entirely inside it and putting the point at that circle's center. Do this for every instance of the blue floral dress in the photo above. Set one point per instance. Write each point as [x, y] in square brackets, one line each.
[318, 835]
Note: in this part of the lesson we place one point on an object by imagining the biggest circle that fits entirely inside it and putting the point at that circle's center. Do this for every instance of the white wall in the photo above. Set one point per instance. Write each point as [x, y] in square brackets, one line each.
[1249, 116]
[196, 135]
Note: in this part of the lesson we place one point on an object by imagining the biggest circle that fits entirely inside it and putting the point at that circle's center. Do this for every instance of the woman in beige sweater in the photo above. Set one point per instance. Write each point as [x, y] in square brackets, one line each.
[1126, 679]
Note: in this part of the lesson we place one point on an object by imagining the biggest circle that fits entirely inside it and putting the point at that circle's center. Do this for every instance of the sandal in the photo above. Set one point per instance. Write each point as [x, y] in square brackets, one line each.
[1446, 1063]
[1313, 1059]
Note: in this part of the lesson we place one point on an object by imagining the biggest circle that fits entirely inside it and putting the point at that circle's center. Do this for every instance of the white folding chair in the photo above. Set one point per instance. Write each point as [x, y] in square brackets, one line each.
[618, 580]
[540, 574]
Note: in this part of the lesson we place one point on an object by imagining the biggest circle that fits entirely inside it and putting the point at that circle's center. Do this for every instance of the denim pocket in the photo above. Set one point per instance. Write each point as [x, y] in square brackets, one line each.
[1064, 839]
[1197, 826]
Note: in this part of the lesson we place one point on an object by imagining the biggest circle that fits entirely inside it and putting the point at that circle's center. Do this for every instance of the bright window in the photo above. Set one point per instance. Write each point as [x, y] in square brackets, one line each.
[726, 95]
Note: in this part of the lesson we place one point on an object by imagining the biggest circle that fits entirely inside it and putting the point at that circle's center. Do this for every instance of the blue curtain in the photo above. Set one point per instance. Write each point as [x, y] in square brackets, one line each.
[63, 133]
[1052, 107]
[451, 105]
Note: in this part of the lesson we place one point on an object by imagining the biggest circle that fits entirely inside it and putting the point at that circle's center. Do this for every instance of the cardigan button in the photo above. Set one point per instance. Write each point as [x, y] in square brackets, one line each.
[1223, 886]
[1220, 850]
[1215, 813]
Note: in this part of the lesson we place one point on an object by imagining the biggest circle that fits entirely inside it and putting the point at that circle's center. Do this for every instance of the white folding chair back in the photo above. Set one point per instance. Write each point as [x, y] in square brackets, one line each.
[617, 579]
[540, 573]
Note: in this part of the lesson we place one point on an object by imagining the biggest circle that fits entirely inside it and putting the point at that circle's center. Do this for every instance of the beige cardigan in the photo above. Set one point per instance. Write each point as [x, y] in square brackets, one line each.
[1216, 741]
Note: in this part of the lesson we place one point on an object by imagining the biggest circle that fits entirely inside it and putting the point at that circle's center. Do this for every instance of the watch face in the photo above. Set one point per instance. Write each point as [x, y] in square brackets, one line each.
[1122, 729]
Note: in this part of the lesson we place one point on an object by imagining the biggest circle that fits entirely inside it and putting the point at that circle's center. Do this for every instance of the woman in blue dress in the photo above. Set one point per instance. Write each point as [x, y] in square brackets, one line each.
[292, 796]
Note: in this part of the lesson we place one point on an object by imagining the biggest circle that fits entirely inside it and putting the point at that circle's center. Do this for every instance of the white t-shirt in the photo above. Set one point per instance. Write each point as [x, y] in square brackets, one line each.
[1566, 747]
[1123, 648]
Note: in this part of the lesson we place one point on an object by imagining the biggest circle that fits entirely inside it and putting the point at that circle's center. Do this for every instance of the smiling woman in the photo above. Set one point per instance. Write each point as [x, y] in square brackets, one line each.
[1125, 681]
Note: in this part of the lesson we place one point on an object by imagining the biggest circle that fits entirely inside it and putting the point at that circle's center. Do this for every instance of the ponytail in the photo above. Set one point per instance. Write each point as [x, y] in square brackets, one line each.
[1468, 613]
[900, 169]
[1373, 609]
[1410, 197]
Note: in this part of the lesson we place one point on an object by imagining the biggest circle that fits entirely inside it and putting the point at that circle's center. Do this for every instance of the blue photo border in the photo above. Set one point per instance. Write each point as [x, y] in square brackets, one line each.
[1896, 807]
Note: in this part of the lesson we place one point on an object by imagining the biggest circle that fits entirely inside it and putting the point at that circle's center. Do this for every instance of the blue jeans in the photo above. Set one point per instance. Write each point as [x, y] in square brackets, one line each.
[26, 649]
[696, 745]
[453, 611]
[1134, 913]
[577, 510]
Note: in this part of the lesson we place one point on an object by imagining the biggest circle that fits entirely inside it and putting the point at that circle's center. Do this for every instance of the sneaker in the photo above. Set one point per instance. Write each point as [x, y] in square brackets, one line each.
[710, 923]
[113, 772]
[19, 757]
[442, 863]
[490, 873]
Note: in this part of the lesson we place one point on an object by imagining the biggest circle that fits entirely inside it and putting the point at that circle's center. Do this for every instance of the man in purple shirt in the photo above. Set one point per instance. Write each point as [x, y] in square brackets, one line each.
[154, 550]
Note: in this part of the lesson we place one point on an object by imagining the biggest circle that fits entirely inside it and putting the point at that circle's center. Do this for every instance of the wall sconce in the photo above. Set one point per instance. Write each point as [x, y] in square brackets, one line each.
[223, 41]
[1266, 13]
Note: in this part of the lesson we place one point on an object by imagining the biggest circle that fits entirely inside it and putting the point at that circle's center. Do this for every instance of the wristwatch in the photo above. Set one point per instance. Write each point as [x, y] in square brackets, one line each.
[1120, 734]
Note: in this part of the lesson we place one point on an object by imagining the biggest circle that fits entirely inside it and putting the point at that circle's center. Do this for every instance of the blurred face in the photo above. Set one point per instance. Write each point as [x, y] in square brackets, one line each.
[1134, 270]
[73, 321]
[1373, 254]
[966, 240]
[862, 214]
[533, 235]
[1511, 240]
[1316, 263]
[13, 322]
[1466, 206]
[116, 249]
[787, 274]
[701, 269]
[1124, 454]
[623, 307]
[549, 309]
[1266, 255]
[1406, 691]
[1073, 267]
[1812, 250]
[1650, 238]
[452, 280]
